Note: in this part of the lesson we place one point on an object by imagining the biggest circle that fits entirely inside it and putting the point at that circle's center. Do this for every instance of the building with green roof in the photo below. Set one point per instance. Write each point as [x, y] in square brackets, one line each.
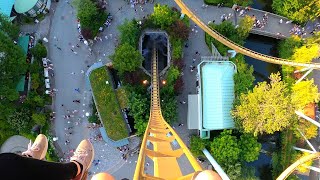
[6, 7]
[210, 108]
[31, 7]
[23, 42]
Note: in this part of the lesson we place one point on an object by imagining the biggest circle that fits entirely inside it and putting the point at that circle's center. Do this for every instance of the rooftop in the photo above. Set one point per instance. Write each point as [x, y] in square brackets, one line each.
[22, 6]
[6, 7]
[217, 94]
[23, 42]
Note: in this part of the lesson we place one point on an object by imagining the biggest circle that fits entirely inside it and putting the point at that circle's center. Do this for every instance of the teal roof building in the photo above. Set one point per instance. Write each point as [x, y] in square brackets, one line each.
[210, 108]
[6, 7]
[31, 7]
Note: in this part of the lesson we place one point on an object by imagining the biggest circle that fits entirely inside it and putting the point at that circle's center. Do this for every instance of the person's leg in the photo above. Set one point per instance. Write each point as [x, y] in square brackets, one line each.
[13, 166]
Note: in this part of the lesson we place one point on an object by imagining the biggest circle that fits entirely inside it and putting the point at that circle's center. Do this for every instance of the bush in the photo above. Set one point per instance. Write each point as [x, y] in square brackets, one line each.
[129, 32]
[90, 16]
[126, 58]
[177, 47]
[94, 119]
[163, 16]
[179, 30]
[39, 51]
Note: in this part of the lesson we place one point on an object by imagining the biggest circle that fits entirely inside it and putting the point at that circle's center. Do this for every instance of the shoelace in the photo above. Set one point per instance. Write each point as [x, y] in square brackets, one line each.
[33, 147]
[80, 154]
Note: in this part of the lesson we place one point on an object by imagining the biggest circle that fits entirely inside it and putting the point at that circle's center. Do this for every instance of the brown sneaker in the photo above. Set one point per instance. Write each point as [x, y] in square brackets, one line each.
[38, 149]
[84, 155]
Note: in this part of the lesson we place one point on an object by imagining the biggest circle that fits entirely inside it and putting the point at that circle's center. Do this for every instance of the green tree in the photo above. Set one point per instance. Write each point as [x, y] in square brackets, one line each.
[244, 78]
[39, 51]
[172, 74]
[297, 10]
[169, 108]
[129, 32]
[35, 81]
[225, 149]
[304, 93]
[39, 119]
[176, 48]
[250, 147]
[306, 53]
[126, 58]
[266, 109]
[20, 120]
[227, 29]
[138, 106]
[197, 145]
[12, 66]
[8, 28]
[91, 17]
[245, 26]
[288, 46]
[163, 16]
[233, 170]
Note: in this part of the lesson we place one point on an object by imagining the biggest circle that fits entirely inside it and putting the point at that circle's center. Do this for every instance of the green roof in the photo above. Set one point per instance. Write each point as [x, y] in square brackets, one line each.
[23, 42]
[217, 94]
[6, 7]
[22, 6]
[20, 85]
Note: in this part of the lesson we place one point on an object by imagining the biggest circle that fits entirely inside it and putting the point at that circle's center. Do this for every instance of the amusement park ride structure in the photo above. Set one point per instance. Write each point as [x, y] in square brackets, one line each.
[159, 135]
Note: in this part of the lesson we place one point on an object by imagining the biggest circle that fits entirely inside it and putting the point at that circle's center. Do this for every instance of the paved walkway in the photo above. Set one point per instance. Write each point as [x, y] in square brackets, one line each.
[15, 144]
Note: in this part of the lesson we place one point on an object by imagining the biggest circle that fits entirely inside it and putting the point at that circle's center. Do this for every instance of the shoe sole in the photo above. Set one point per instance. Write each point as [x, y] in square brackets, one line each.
[43, 155]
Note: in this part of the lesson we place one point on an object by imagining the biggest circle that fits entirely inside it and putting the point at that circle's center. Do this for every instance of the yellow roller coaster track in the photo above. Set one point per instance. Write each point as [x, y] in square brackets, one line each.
[161, 135]
[240, 49]
[300, 161]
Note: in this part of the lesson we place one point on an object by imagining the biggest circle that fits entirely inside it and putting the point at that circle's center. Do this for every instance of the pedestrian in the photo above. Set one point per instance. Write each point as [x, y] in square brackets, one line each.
[72, 50]
[193, 60]
[280, 21]
[59, 48]
[77, 89]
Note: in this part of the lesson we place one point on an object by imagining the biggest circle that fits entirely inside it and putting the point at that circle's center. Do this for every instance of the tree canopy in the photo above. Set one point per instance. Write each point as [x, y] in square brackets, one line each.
[304, 92]
[306, 53]
[8, 28]
[39, 51]
[129, 32]
[224, 148]
[266, 109]
[126, 58]
[163, 16]
[91, 17]
[138, 106]
[250, 148]
[297, 10]
[197, 145]
[245, 26]
[244, 78]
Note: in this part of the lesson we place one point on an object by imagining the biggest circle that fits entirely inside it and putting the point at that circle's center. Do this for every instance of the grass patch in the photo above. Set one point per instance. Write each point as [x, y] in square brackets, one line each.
[107, 104]
[122, 97]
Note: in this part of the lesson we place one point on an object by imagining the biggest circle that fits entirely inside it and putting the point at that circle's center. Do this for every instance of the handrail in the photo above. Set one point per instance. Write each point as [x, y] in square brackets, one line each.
[240, 49]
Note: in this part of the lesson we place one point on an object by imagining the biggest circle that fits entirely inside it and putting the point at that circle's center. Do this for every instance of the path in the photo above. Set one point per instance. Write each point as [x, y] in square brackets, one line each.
[68, 76]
